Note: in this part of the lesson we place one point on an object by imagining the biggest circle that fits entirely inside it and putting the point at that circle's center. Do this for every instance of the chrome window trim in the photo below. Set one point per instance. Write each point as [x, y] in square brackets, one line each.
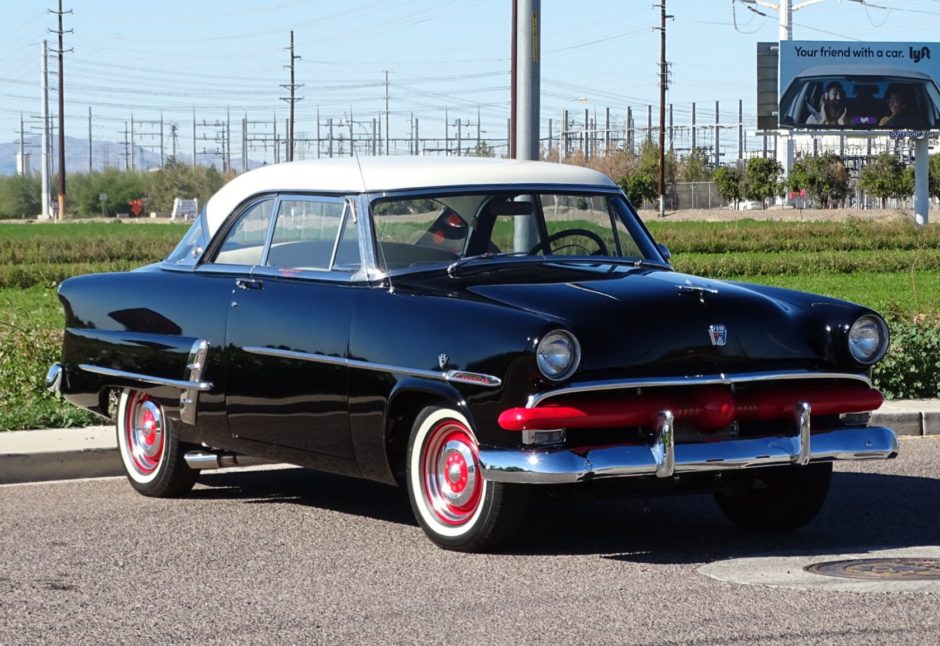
[201, 386]
[699, 380]
[212, 248]
[305, 197]
[453, 376]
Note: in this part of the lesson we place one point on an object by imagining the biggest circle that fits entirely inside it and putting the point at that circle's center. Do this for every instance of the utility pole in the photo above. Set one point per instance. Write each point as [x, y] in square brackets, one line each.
[61, 51]
[133, 164]
[23, 164]
[194, 137]
[387, 131]
[291, 100]
[784, 9]
[352, 134]
[89, 140]
[512, 81]
[127, 153]
[44, 139]
[663, 71]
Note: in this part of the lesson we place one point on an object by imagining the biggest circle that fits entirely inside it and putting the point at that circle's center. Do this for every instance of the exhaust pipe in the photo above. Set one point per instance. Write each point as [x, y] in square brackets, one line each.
[219, 460]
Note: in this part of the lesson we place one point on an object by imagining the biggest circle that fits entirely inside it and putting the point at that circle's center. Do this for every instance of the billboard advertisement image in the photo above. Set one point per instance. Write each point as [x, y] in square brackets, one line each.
[834, 85]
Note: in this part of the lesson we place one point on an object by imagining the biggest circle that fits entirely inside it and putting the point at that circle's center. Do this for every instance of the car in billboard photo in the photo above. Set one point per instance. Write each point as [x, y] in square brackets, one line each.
[870, 98]
[467, 329]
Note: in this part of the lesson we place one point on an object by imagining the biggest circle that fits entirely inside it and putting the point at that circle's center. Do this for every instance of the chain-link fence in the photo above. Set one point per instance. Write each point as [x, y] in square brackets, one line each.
[696, 195]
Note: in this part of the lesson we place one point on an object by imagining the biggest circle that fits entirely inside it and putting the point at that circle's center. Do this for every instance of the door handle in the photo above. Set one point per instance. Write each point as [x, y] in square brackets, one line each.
[248, 283]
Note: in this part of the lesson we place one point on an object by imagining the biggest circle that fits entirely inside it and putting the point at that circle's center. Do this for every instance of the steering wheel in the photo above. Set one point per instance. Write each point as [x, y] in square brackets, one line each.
[558, 235]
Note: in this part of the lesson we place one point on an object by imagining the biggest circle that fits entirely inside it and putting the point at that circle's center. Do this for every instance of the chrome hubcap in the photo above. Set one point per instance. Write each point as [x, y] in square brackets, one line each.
[145, 431]
[452, 482]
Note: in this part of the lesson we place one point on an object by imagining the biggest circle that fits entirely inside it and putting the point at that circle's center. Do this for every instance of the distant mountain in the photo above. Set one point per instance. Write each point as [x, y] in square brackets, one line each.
[105, 154]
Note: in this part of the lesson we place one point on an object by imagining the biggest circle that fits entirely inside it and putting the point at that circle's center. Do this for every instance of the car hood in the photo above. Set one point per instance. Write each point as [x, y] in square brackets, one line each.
[658, 321]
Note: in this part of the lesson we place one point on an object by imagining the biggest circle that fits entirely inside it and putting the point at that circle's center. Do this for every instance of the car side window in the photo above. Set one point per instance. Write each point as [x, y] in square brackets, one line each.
[244, 243]
[306, 232]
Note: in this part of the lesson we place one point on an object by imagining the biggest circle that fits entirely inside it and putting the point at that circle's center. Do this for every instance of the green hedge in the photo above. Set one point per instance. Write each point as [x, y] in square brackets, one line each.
[912, 368]
[770, 236]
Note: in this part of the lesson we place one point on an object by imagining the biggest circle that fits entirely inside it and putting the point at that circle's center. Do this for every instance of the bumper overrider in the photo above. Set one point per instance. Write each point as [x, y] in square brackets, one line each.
[710, 405]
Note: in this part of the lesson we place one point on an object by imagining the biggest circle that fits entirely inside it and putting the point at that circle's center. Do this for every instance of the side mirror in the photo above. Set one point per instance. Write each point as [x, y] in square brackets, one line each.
[664, 251]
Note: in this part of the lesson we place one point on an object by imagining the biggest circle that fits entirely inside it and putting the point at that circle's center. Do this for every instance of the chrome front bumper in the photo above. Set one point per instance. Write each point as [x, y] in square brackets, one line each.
[54, 378]
[664, 459]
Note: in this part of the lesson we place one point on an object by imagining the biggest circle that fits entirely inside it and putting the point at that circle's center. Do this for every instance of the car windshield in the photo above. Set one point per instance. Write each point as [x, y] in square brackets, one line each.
[417, 232]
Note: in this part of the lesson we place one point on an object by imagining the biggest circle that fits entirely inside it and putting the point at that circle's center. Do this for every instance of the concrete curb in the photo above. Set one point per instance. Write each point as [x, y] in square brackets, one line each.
[91, 452]
[59, 454]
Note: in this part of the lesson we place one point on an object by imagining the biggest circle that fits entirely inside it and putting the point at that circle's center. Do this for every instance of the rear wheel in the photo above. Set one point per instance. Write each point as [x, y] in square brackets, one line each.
[774, 498]
[151, 453]
[455, 505]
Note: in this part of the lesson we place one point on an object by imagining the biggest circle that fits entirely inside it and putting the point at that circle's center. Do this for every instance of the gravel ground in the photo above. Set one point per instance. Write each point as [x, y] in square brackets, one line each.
[292, 556]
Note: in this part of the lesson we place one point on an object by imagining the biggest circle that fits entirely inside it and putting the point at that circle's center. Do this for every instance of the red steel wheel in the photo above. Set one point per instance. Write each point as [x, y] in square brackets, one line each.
[152, 455]
[145, 435]
[456, 506]
[450, 472]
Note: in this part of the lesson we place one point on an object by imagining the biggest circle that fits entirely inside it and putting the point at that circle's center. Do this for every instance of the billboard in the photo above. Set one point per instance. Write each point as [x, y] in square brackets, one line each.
[835, 85]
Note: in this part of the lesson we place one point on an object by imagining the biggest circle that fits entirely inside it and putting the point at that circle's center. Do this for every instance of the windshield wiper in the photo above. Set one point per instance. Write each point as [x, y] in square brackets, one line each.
[636, 263]
[488, 258]
[502, 259]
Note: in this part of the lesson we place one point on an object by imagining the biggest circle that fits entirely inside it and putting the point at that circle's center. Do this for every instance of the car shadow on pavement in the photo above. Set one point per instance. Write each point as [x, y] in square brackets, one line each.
[863, 512]
[309, 488]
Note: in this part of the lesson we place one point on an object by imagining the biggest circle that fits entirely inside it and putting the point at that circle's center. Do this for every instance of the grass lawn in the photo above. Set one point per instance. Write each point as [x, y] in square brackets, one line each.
[904, 294]
[892, 268]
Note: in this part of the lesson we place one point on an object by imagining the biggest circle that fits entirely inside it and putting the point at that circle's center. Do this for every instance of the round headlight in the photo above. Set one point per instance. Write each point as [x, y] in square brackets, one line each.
[558, 355]
[868, 339]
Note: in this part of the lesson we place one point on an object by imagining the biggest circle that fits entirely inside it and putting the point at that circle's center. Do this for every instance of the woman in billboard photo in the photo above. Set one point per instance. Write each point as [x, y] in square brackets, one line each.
[899, 113]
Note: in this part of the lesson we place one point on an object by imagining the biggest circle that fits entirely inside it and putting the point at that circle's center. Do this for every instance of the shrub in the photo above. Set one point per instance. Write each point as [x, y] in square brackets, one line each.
[912, 368]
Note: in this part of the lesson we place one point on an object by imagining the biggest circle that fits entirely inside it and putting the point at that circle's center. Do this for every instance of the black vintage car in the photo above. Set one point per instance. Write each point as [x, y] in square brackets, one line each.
[468, 329]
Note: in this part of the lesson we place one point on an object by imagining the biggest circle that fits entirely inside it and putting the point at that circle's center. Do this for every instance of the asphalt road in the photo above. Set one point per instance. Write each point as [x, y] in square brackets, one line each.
[291, 556]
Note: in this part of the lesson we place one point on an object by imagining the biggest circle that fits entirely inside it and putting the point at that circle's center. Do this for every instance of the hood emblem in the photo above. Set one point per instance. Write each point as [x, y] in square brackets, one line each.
[442, 360]
[718, 334]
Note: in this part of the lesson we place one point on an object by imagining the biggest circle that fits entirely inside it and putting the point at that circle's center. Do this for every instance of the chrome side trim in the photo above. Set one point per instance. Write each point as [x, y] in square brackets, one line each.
[473, 378]
[699, 380]
[457, 376]
[562, 465]
[195, 364]
[201, 386]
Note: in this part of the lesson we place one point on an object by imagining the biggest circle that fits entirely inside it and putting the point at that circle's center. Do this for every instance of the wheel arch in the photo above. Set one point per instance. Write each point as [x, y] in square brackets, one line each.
[405, 402]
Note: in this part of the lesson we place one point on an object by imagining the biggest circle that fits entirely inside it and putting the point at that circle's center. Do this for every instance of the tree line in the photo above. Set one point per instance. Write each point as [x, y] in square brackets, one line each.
[824, 179]
[110, 192]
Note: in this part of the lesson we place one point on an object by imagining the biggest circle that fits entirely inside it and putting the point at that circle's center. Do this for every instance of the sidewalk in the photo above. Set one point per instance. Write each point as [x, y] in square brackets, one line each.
[91, 452]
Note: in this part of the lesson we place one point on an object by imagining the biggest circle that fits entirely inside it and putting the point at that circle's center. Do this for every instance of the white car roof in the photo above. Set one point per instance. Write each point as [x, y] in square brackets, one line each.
[379, 174]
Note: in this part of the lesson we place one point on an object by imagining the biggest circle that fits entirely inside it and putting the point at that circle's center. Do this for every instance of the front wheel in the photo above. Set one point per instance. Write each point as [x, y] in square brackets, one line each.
[774, 498]
[455, 505]
[151, 453]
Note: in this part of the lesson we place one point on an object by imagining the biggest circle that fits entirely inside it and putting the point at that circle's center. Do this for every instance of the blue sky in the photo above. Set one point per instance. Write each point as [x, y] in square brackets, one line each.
[169, 56]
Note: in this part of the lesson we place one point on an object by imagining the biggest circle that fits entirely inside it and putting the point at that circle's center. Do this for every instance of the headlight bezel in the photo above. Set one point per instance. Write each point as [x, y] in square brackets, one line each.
[574, 361]
[854, 333]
